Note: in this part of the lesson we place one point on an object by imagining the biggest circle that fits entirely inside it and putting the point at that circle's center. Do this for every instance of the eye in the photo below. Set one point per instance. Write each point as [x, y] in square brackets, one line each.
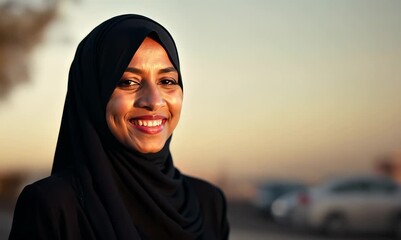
[127, 83]
[168, 81]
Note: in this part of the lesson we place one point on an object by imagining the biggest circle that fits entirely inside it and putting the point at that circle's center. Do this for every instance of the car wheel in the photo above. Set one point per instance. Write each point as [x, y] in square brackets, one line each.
[335, 225]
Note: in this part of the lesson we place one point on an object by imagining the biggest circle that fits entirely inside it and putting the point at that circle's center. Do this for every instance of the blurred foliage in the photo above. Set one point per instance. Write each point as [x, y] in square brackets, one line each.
[22, 24]
[10, 186]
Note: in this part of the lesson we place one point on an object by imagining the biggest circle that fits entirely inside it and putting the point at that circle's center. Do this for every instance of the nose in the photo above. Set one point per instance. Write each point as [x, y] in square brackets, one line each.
[150, 98]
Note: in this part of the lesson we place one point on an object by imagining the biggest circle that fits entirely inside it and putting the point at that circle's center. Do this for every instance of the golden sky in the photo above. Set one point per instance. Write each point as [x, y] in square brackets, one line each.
[272, 88]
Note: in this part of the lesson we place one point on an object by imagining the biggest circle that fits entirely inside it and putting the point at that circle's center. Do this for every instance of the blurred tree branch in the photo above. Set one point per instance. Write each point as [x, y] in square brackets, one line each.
[22, 24]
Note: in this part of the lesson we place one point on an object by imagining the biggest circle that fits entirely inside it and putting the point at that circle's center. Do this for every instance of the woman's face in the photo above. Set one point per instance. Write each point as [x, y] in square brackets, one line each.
[145, 106]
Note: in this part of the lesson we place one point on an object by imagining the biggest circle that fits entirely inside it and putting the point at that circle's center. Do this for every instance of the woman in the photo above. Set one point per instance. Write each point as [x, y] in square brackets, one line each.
[113, 175]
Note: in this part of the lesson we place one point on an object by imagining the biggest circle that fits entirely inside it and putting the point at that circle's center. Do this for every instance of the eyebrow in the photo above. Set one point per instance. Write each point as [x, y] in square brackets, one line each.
[139, 71]
[167, 70]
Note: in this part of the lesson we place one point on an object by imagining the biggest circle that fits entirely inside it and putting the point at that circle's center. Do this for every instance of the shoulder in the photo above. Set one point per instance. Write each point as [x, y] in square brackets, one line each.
[48, 198]
[42, 206]
[214, 207]
[203, 186]
[206, 191]
[52, 191]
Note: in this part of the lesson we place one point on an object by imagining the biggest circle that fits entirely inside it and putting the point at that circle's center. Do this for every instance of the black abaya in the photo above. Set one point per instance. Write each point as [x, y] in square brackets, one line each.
[99, 189]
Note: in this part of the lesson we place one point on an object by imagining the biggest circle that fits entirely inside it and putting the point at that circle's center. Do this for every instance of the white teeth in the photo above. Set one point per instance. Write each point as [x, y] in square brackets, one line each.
[150, 123]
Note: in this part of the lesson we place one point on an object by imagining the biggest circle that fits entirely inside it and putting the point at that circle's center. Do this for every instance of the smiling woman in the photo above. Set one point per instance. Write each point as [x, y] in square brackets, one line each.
[145, 107]
[113, 176]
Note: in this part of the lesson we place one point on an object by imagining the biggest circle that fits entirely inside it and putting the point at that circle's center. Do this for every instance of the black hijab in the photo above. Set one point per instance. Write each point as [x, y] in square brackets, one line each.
[126, 194]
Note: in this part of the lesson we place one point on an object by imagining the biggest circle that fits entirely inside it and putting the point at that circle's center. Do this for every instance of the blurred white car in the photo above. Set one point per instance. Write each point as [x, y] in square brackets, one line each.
[270, 191]
[348, 204]
[282, 208]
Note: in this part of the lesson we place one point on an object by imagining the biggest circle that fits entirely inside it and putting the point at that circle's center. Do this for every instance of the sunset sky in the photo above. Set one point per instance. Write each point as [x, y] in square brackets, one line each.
[271, 88]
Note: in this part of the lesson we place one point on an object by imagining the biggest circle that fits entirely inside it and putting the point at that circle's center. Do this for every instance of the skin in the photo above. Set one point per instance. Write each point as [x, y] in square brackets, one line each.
[147, 92]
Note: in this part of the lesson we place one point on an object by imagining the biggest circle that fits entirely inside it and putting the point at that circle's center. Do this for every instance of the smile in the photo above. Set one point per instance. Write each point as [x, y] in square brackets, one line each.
[150, 124]
[147, 123]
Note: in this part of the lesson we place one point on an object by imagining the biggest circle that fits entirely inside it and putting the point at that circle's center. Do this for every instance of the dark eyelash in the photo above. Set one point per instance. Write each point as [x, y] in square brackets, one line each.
[126, 83]
[170, 81]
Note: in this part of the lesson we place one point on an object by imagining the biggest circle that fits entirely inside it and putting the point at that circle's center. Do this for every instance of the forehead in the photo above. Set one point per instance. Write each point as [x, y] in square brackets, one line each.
[149, 42]
[150, 52]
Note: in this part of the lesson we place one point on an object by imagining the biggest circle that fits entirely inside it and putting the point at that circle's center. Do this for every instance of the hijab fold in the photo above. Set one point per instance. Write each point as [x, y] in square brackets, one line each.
[126, 194]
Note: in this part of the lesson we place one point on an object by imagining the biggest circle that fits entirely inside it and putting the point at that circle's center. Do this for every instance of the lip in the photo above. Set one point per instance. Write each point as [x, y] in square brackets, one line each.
[148, 129]
[149, 117]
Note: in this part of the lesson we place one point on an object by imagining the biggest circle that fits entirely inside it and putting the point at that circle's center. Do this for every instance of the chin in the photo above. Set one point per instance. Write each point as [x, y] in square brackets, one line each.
[152, 148]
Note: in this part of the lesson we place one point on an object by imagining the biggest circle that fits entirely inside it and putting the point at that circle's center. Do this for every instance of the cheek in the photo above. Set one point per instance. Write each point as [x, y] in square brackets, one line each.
[175, 101]
[117, 107]
[175, 105]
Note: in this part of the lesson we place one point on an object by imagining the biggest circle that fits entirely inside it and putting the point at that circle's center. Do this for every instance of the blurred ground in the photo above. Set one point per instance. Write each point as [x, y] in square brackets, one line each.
[246, 224]
[5, 222]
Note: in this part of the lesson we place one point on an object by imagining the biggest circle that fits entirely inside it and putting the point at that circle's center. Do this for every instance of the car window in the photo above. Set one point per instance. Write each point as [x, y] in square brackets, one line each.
[351, 187]
[366, 186]
[384, 186]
